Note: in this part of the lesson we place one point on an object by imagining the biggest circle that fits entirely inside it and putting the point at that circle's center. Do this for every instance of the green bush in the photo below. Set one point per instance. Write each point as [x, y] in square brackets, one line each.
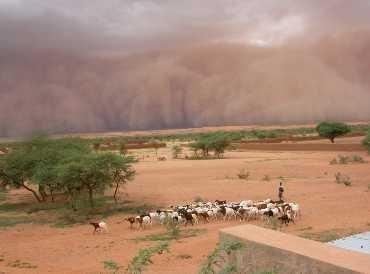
[331, 130]
[343, 179]
[345, 160]
[216, 259]
[366, 141]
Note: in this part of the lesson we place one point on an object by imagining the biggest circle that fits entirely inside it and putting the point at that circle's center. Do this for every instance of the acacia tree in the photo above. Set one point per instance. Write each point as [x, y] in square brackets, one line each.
[212, 142]
[219, 145]
[65, 165]
[16, 170]
[121, 171]
[47, 154]
[331, 130]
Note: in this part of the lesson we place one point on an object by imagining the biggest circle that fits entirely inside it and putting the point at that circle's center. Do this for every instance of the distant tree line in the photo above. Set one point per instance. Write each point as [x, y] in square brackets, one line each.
[69, 166]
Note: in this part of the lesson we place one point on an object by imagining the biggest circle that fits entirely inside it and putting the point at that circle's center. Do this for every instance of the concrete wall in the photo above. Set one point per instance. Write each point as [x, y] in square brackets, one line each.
[268, 249]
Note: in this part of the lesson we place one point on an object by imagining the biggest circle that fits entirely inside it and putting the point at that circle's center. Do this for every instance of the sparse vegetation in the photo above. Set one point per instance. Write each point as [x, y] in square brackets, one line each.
[173, 233]
[20, 264]
[366, 141]
[243, 174]
[140, 261]
[270, 271]
[331, 130]
[60, 214]
[216, 261]
[343, 179]
[111, 265]
[328, 235]
[176, 151]
[266, 178]
[345, 160]
[184, 256]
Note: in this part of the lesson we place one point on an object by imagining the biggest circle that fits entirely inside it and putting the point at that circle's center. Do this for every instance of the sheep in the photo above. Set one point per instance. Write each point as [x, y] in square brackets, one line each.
[207, 211]
[154, 216]
[246, 203]
[295, 210]
[204, 217]
[188, 217]
[131, 220]
[252, 213]
[242, 212]
[222, 202]
[286, 219]
[228, 213]
[195, 218]
[99, 226]
[143, 221]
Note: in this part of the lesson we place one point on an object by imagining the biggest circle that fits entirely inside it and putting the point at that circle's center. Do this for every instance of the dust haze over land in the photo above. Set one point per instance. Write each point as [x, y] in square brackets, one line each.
[73, 66]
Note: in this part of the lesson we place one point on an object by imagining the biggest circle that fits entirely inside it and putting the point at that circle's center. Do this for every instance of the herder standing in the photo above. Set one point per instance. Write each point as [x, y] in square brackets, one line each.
[281, 192]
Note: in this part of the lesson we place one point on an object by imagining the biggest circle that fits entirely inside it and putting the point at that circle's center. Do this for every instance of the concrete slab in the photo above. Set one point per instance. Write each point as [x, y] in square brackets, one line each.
[268, 249]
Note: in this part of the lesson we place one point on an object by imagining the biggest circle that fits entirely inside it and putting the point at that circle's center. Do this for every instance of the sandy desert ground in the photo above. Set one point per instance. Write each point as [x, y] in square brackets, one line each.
[307, 175]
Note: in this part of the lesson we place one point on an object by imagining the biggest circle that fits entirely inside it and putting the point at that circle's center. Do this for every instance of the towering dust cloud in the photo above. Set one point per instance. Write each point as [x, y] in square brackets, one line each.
[79, 66]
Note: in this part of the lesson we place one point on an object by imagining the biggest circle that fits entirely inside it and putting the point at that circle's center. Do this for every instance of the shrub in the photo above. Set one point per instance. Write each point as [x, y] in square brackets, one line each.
[243, 174]
[358, 159]
[334, 161]
[345, 160]
[139, 262]
[111, 265]
[331, 130]
[343, 179]
[366, 141]
[176, 151]
[217, 259]
[184, 256]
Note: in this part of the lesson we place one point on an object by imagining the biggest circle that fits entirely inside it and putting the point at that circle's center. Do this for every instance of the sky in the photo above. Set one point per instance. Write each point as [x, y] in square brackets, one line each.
[92, 65]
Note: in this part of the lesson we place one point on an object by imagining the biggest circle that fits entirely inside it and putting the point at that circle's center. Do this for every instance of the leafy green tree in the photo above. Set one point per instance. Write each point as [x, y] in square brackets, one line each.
[331, 130]
[203, 144]
[176, 151]
[219, 145]
[216, 142]
[366, 141]
[47, 154]
[121, 171]
[16, 169]
[65, 165]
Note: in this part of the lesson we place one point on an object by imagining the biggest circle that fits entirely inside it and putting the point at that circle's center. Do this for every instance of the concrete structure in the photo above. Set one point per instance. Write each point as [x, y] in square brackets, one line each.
[359, 243]
[268, 249]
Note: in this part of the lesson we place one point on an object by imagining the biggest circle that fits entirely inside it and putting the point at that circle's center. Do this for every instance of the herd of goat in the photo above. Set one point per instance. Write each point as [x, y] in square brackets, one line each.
[205, 212]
